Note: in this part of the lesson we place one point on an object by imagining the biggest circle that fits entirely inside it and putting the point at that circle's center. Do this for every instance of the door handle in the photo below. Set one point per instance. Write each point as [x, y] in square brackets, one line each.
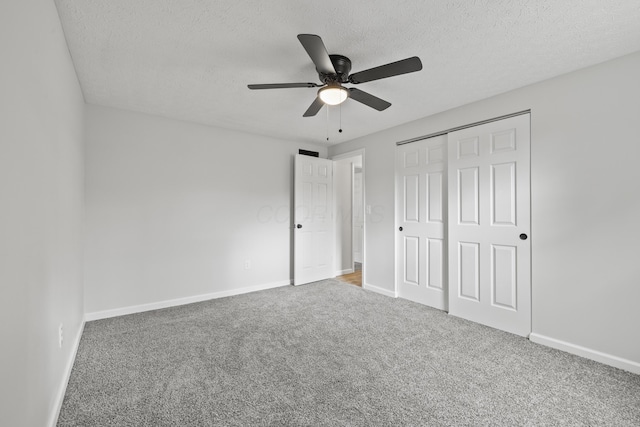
[400, 228]
[299, 226]
[523, 236]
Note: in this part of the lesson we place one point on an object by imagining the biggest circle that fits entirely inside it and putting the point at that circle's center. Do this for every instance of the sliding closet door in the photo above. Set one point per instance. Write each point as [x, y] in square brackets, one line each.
[489, 224]
[421, 211]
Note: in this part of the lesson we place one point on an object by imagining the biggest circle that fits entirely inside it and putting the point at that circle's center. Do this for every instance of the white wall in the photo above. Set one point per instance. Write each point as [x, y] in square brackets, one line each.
[174, 209]
[585, 202]
[41, 178]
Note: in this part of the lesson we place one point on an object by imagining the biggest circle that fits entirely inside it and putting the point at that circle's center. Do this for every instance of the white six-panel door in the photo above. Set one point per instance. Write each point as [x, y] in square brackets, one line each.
[489, 224]
[421, 212]
[313, 220]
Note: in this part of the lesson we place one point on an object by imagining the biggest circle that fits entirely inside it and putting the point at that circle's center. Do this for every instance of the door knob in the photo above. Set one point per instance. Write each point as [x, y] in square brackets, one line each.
[400, 228]
[523, 236]
[299, 226]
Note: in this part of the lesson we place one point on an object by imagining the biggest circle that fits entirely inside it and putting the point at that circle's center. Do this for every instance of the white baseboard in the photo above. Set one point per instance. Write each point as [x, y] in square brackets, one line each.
[607, 359]
[345, 271]
[379, 290]
[62, 390]
[97, 315]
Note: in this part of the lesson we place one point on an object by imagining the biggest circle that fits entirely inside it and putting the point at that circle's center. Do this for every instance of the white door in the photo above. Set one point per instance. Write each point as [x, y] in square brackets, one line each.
[358, 215]
[421, 212]
[313, 221]
[489, 224]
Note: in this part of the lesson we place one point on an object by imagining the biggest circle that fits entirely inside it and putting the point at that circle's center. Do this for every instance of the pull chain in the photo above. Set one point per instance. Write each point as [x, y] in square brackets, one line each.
[340, 129]
[327, 122]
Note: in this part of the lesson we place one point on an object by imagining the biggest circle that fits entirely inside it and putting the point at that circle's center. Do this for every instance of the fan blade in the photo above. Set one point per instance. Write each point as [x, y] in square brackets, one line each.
[404, 66]
[315, 48]
[368, 99]
[314, 108]
[282, 85]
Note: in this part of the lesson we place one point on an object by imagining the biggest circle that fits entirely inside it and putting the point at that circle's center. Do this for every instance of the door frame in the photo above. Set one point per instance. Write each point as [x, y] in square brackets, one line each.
[355, 153]
[353, 217]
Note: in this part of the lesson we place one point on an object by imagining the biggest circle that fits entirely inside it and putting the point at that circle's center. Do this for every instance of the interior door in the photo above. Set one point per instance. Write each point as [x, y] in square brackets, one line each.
[313, 221]
[489, 224]
[421, 212]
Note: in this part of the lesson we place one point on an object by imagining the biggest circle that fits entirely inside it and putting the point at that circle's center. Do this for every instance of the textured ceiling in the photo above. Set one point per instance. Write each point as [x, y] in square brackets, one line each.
[192, 59]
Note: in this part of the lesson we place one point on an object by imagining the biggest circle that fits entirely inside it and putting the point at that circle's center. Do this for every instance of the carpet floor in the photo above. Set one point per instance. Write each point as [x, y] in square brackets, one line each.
[331, 354]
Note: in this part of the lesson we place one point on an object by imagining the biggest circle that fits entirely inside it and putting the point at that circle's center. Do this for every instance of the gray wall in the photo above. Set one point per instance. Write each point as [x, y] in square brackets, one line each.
[175, 209]
[585, 201]
[41, 179]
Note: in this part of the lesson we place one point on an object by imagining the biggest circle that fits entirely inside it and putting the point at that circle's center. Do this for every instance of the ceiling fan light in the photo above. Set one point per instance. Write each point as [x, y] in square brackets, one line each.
[333, 94]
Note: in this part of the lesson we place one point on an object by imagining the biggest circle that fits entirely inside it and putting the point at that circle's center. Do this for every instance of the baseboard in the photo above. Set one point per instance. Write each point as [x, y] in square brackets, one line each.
[62, 390]
[97, 315]
[607, 359]
[379, 290]
[345, 271]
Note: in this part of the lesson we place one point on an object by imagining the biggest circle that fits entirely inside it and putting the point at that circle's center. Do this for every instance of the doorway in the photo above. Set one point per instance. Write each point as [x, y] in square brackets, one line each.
[350, 218]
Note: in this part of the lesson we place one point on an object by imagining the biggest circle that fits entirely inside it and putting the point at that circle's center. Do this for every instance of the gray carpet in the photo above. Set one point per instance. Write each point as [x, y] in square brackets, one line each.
[329, 354]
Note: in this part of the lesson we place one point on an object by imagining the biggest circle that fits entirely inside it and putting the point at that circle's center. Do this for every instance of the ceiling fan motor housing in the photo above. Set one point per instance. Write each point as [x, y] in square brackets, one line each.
[342, 65]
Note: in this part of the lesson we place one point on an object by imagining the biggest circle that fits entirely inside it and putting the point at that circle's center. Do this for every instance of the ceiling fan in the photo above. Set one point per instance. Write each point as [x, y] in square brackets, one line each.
[333, 71]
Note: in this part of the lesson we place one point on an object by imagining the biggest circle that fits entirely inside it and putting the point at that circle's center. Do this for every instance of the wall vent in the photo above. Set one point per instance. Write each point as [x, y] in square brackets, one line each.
[309, 153]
